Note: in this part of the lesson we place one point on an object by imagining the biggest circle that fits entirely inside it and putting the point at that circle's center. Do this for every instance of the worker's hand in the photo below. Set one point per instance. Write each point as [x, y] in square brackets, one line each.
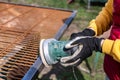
[86, 45]
[85, 32]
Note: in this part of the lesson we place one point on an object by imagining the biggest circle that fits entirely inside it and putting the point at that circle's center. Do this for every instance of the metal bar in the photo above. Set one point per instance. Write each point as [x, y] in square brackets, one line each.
[37, 6]
[35, 68]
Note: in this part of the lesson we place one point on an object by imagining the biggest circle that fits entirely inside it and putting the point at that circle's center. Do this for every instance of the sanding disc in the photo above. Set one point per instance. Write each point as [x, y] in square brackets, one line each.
[42, 52]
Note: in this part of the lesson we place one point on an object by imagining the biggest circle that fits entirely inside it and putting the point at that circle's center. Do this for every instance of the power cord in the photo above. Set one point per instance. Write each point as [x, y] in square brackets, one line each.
[73, 69]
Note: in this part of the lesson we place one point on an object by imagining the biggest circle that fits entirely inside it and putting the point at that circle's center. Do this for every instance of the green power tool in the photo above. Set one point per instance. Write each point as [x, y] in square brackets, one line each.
[51, 50]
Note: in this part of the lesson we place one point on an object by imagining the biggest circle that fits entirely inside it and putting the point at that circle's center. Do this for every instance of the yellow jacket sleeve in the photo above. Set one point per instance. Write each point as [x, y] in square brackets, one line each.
[112, 48]
[103, 20]
[101, 24]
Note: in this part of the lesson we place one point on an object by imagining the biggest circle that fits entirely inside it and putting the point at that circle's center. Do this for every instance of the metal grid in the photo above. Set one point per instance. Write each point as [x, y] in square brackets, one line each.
[16, 62]
[21, 28]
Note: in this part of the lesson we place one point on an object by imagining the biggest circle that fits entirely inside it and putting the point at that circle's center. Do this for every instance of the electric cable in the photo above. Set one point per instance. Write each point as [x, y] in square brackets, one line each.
[74, 73]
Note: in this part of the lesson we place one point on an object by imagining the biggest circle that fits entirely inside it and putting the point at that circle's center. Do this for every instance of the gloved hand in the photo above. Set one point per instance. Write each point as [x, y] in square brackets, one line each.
[85, 32]
[86, 45]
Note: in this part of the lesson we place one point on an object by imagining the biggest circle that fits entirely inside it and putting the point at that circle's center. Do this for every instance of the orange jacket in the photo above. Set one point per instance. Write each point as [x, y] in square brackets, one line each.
[101, 24]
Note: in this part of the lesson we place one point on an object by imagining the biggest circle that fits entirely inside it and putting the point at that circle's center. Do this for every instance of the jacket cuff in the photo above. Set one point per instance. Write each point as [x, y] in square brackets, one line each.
[93, 26]
[107, 46]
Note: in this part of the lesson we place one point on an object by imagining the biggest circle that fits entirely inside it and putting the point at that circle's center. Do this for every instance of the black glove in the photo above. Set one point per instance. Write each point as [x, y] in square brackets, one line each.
[85, 32]
[86, 45]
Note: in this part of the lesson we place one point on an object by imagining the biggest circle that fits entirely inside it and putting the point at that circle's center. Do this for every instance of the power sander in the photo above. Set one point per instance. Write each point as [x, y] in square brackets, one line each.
[51, 51]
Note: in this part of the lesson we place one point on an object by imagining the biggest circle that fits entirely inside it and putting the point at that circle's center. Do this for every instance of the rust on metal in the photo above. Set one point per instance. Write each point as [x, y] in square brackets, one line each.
[21, 28]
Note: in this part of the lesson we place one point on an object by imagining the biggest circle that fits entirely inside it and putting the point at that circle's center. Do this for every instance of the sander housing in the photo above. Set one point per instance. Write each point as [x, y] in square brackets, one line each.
[51, 50]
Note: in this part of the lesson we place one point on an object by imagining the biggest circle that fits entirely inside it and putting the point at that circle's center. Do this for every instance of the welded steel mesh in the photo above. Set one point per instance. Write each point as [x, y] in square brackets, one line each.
[21, 28]
[16, 61]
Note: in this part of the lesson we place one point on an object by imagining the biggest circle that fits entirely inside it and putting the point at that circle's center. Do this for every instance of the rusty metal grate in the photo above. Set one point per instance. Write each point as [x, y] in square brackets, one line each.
[18, 60]
[21, 28]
